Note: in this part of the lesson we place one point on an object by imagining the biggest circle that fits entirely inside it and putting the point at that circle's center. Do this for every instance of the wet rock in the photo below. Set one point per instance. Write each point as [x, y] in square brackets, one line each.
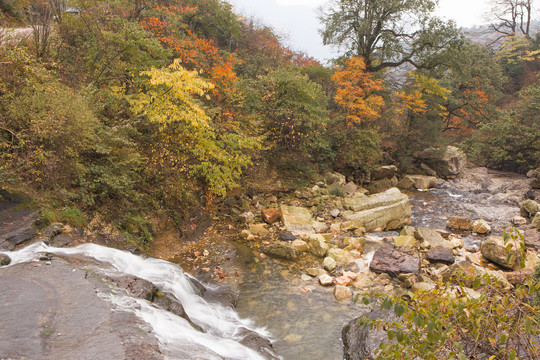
[536, 221]
[432, 237]
[4, 260]
[342, 293]
[447, 162]
[481, 227]
[300, 245]
[282, 250]
[459, 223]
[315, 272]
[394, 262]
[259, 229]
[339, 255]
[298, 221]
[329, 264]
[530, 208]
[360, 341]
[326, 280]
[64, 239]
[440, 254]
[247, 217]
[270, 216]
[384, 172]
[258, 343]
[388, 210]
[420, 182]
[317, 245]
[287, 237]
[408, 241]
[494, 249]
[17, 227]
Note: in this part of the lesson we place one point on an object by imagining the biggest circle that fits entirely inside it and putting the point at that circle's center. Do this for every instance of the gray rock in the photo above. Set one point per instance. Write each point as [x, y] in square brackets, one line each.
[532, 238]
[258, 343]
[440, 254]
[282, 250]
[287, 237]
[432, 237]
[17, 227]
[247, 217]
[335, 213]
[329, 264]
[387, 210]
[298, 221]
[349, 189]
[394, 262]
[535, 182]
[384, 172]
[360, 341]
[447, 162]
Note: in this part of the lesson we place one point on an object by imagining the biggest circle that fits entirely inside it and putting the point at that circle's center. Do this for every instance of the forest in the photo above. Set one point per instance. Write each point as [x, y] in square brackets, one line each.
[129, 108]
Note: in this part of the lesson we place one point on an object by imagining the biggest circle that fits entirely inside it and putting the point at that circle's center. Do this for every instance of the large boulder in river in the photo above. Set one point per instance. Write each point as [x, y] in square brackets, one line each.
[494, 249]
[282, 250]
[459, 223]
[419, 182]
[394, 262]
[360, 340]
[388, 210]
[433, 238]
[447, 162]
[298, 221]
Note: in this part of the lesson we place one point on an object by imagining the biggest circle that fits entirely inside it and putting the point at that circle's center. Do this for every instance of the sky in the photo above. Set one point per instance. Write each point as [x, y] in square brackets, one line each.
[297, 19]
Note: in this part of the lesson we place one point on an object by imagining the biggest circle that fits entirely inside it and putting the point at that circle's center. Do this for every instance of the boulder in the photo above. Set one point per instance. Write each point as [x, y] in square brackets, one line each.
[455, 272]
[384, 172]
[494, 249]
[17, 227]
[329, 264]
[420, 182]
[459, 223]
[394, 262]
[387, 210]
[440, 254]
[431, 237]
[481, 226]
[349, 188]
[360, 340]
[334, 177]
[270, 216]
[298, 221]
[535, 181]
[428, 170]
[532, 238]
[535, 222]
[530, 208]
[339, 255]
[342, 293]
[4, 260]
[315, 272]
[282, 250]
[447, 162]
[317, 245]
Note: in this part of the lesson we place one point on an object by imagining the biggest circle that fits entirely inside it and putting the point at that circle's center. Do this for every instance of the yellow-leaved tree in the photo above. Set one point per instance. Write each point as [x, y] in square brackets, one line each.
[186, 147]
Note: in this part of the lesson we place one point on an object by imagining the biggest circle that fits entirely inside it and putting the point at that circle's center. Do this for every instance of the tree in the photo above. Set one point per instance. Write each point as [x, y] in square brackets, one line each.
[388, 33]
[357, 92]
[511, 17]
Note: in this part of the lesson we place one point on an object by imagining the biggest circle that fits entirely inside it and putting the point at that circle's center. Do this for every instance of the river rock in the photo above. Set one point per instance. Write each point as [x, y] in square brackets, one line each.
[4, 260]
[342, 293]
[420, 182]
[335, 213]
[455, 272]
[255, 341]
[339, 255]
[519, 220]
[384, 172]
[494, 249]
[481, 226]
[342, 280]
[431, 237]
[300, 245]
[282, 250]
[447, 162]
[361, 341]
[16, 226]
[394, 262]
[247, 217]
[459, 223]
[317, 245]
[259, 229]
[315, 272]
[532, 238]
[408, 280]
[536, 221]
[298, 221]
[530, 208]
[270, 216]
[387, 210]
[440, 254]
[329, 263]
[535, 181]
[326, 280]
[408, 241]
[287, 237]
[407, 231]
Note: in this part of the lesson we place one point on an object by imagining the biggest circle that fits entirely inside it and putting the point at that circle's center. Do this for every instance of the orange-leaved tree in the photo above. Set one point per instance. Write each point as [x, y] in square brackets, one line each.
[357, 92]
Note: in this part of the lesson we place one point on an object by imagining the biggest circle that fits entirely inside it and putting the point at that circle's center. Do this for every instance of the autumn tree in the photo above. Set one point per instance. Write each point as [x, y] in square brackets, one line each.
[388, 33]
[357, 92]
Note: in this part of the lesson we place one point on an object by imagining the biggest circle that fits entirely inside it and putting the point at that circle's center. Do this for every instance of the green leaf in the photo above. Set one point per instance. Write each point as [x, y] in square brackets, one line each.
[476, 283]
[366, 300]
[512, 355]
[527, 323]
[418, 320]
[387, 304]
[399, 309]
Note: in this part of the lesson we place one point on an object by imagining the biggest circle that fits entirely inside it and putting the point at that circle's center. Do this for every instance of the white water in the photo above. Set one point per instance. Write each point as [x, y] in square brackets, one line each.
[177, 337]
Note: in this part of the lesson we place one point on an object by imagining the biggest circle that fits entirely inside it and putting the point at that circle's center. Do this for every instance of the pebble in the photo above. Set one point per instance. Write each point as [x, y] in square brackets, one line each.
[326, 280]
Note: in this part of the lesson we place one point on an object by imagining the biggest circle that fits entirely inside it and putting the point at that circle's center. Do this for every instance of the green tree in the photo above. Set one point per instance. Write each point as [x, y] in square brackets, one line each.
[388, 33]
